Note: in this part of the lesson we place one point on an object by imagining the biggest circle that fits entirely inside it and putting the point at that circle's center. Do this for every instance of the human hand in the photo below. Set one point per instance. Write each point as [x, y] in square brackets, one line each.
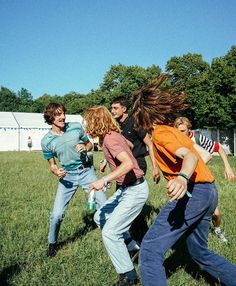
[176, 188]
[60, 173]
[80, 148]
[97, 185]
[229, 174]
[156, 175]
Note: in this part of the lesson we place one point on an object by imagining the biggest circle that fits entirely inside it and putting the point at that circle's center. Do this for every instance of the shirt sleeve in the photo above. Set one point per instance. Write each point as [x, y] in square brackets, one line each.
[142, 134]
[208, 144]
[85, 138]
[114, 144]
[47, 153]
[172, 140]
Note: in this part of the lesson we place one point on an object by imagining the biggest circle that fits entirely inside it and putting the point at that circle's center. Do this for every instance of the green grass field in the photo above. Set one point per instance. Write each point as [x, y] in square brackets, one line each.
[27, 191]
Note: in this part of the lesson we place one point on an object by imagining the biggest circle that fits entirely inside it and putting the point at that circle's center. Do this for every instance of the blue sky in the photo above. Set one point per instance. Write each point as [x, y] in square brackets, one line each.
[55, 47]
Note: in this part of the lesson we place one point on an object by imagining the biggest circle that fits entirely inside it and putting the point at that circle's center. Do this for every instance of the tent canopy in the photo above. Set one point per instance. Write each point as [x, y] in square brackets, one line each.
[7, 120]
[16, 127]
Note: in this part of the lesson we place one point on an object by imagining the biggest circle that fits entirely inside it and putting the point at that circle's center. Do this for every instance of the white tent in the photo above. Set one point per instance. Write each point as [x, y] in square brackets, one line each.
[16, 127]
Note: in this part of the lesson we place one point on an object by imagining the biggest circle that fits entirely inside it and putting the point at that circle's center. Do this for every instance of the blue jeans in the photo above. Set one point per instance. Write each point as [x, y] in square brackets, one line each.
[192, 214]
[115, 218]
[66, 188]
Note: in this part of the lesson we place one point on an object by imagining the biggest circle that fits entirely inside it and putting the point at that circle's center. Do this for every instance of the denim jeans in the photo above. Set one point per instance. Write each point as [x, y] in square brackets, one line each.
[115, 218]
[177, 217]
[66, 188]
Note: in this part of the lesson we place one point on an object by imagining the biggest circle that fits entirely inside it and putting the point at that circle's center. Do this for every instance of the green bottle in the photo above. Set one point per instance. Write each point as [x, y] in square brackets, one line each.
[91, 200]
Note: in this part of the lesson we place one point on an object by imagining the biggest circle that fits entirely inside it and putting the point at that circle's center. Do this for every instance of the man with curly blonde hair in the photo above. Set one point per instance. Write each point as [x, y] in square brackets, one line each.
[119, 211]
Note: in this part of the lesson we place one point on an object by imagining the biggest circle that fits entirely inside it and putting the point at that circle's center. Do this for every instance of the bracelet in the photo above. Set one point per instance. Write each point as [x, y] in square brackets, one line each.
[184, 176]
[187, 178]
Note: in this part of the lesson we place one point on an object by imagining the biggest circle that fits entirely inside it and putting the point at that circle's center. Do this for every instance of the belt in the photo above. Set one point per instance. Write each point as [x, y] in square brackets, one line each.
[132, 184]
[81, 167]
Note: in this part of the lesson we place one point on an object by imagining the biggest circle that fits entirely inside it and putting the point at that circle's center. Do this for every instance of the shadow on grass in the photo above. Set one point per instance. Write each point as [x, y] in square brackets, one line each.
[7, 273]
[139, 226]
[89, 225]
[182, 259]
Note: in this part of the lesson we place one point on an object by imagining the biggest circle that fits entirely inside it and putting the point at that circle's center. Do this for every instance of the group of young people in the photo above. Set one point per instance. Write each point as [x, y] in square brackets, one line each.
[190, 185]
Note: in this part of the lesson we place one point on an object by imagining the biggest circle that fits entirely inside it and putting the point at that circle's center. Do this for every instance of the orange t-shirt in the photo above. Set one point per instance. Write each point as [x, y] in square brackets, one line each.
[167, 141]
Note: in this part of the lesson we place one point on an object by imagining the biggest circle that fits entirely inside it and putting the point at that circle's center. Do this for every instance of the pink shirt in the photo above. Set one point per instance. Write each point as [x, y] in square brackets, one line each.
[114, 144]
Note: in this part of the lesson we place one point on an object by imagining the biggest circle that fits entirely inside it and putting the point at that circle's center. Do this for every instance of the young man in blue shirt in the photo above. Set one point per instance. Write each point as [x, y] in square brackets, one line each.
[68, 143]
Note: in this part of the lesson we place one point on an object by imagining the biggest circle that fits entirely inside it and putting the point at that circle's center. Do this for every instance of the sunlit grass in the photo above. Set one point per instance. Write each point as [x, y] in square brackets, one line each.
[27, 190]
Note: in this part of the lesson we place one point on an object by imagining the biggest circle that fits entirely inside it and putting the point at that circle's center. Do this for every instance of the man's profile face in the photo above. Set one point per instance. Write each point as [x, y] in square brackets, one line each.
[118, 110]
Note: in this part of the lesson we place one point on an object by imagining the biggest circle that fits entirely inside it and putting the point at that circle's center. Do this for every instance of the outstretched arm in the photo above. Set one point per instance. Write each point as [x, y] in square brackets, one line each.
[229, 173]
[205, 155]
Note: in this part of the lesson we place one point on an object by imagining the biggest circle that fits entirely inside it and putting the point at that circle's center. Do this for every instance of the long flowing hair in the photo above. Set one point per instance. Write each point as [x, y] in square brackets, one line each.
[99, 122]
[153, 104]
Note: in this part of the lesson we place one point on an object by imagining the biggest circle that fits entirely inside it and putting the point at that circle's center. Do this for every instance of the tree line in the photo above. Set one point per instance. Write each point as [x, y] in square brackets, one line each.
[210, 89]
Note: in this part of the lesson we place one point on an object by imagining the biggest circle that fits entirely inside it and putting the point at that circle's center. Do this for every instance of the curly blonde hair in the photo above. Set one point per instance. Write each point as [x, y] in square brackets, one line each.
[99, 122]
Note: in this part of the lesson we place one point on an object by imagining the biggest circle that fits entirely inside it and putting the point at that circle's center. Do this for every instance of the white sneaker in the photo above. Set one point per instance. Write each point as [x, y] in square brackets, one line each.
[218, 232]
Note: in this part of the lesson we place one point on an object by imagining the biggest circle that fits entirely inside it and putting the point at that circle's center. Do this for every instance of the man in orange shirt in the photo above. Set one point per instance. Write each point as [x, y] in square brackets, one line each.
[190, 188]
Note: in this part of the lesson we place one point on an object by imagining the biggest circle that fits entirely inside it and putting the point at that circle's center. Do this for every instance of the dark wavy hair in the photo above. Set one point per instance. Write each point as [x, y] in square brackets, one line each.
[122, 100]
[153, 104]
[51, 110]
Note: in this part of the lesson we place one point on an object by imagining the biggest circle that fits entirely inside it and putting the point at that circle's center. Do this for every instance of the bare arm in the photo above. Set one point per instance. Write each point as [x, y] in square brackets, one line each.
[204, 154]
[229, 173]
[155, 169]
[103, 163]
[125, 166]
[177, 188]
[59, 172]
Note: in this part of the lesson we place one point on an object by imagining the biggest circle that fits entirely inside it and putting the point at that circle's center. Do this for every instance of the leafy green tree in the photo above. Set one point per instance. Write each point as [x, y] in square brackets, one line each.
[211, 89]
[191, 74]
[124, 80]
[26, 100]
[223, 82]
[8, 100]
[40, 103]
[72, 101]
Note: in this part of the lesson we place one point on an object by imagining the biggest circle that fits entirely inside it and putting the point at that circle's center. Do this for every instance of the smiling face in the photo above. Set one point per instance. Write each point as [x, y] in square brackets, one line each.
[58, 122]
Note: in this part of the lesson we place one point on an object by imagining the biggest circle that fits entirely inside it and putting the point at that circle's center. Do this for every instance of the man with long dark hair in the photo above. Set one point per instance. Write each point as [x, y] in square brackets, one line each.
[190, 188]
